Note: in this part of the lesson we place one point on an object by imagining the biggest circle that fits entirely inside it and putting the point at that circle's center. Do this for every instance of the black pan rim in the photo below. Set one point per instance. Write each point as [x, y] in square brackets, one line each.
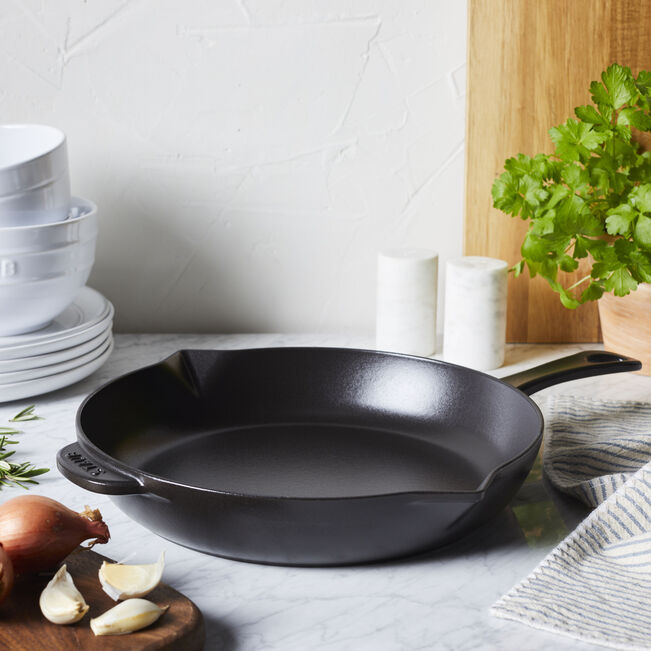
[148, 480]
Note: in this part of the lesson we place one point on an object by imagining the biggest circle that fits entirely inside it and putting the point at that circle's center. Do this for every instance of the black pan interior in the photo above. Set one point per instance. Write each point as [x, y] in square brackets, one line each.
[311, 422]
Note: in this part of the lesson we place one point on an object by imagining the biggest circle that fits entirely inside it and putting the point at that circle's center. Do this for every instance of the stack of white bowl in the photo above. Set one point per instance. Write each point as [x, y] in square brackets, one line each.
[53, 330]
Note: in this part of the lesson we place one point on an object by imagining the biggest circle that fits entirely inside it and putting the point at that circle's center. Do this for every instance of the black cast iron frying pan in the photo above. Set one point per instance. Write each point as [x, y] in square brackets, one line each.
[314, 456]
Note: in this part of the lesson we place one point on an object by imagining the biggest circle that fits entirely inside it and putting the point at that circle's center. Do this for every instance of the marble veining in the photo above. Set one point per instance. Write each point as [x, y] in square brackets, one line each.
[435, 601]
[475, 312]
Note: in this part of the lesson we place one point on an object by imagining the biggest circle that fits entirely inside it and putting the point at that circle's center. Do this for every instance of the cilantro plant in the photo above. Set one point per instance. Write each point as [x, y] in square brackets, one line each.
[591, 197]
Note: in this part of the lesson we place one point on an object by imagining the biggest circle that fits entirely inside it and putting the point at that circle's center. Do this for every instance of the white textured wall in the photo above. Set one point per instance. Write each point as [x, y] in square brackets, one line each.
[249, 157]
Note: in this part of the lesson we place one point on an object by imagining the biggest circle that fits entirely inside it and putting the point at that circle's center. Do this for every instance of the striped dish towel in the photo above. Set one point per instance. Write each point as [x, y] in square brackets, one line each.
[592, 447]
[596, 585]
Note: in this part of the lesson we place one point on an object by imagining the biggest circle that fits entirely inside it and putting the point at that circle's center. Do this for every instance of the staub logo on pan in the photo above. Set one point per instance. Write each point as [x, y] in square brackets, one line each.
[85, 464]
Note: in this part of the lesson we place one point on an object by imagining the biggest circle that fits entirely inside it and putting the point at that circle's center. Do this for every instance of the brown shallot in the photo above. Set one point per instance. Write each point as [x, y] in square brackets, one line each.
[6, 574]
[37, 532]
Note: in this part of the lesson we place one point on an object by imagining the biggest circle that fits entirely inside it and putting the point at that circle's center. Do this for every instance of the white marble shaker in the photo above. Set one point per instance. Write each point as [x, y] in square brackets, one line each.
[475, 312]
[437, 601]
[407, 281]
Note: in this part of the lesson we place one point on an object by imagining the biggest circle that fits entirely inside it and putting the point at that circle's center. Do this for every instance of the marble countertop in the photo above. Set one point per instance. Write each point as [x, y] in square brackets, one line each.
[435, 601]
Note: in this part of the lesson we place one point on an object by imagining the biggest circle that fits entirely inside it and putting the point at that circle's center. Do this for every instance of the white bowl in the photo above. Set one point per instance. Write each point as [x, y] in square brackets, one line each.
[34, 176]
[29, 306]
[30, 267]
[42, 269]
[79, 227]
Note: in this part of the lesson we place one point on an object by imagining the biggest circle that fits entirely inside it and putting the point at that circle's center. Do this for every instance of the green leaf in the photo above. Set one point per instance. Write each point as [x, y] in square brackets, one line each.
[623, 249]
[576, 177]
[580, 248]
[545, 267]
[25, 415]
[544, 167]
[619, 83]
[621, 282]
[534, 248]
[568, 263]
[600, 180]
[640, 197]
[600, 97]
[620, 220]
[34, 472]
[641, 170]
[640, 266]
[575, 140]
[642, 232]
[533, 191]
[601, 250]
[506, 196]
[569, 214]
[518, 268]
[624, 117]
[591, 115]
[592, 292]
[567, 299]
[641, 120]
[558, 193]
[643, 82]
[635, 118]
[600, 270]
[623, 132]
[620, 184]
[519, 165]
[544, 225]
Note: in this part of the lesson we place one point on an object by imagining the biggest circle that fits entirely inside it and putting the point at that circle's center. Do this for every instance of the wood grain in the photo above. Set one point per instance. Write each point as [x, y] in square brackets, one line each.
[23, 627]
[627, 325]
[530, 62]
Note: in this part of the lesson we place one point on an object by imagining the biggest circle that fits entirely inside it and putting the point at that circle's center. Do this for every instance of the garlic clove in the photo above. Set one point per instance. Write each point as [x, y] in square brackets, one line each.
[128, 616]
[126, 581]
[60, 601]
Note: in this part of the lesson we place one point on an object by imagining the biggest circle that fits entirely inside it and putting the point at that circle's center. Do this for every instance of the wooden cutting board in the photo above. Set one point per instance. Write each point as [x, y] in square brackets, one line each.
[23, 627]
[530, 62]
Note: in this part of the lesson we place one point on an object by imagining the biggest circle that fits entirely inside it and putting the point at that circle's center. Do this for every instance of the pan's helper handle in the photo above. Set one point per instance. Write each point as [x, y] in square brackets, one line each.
[584, 364]
[80, 468]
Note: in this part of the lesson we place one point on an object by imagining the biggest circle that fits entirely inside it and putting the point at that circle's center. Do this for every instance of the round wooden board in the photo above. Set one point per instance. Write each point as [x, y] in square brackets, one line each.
[23, 627]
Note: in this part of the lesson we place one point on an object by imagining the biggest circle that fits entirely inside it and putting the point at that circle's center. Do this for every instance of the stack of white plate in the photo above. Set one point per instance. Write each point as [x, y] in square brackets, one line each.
[71, 347]
[53, 330]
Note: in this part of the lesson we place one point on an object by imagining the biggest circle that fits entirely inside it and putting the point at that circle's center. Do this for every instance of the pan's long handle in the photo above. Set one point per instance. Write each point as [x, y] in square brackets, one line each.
[80, 468]
[583, 364]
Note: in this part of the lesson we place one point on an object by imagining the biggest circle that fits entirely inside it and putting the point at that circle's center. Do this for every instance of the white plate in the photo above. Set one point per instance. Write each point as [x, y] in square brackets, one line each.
[88, 308]
[19, 390]
[37, 361]
[61, 343]
[52, 369]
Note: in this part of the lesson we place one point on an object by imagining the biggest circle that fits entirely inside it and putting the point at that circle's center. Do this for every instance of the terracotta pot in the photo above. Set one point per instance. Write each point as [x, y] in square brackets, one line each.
[626, 324]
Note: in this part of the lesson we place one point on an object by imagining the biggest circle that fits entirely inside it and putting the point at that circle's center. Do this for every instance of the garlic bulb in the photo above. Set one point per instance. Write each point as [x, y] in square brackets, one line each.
[128, 616]
[60, 601]
[125, 581]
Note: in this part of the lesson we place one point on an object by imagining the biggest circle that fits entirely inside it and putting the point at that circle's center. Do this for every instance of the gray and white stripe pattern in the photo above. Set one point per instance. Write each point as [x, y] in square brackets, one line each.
[596, 585]
[593, 447]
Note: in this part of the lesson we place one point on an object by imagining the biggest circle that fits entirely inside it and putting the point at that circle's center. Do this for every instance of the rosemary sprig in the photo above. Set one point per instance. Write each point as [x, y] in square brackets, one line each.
[19, 474]
[25, 414]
